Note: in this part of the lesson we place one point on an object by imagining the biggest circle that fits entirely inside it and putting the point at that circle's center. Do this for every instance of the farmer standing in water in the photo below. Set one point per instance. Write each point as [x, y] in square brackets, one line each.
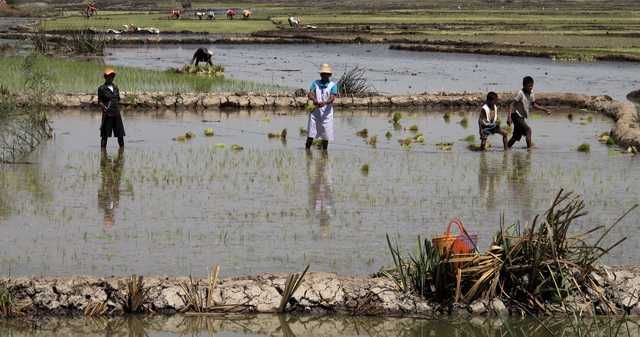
[322, 93]
[109, 100]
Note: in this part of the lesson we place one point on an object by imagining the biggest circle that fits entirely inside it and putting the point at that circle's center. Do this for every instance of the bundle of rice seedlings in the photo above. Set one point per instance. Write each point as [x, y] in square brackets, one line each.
[354, 83]
[388, 135]
[396, 117]
[444, 146]
[303, 132]
[373, 140]
[413, 128]
[584, 147]
[215, 70]
[364, 133]
[282, 135]
[365, 169]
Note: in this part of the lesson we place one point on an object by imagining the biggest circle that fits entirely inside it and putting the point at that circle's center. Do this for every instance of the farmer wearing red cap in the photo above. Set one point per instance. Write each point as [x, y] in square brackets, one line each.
[109, 100]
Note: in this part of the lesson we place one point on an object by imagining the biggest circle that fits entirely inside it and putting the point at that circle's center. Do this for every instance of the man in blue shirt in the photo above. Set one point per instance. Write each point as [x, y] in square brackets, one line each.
[322, 93]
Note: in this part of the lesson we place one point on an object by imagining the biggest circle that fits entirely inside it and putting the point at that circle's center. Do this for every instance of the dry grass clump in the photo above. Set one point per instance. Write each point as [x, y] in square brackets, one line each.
[535, 268]
[136, 296]
[293, 283]
[354, 83]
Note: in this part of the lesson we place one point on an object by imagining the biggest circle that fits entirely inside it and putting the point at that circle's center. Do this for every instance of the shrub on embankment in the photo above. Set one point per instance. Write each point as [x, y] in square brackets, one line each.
[68, 76]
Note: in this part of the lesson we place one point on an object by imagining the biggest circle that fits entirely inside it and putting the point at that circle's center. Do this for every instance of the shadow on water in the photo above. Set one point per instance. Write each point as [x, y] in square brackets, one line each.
[109, 192]
[308, 326]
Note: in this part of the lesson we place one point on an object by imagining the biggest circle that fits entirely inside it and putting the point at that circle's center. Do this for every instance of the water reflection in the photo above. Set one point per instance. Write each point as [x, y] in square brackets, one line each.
[321, 191]
[520, 183]
[310, 326]
[492, 169]
[109, 192]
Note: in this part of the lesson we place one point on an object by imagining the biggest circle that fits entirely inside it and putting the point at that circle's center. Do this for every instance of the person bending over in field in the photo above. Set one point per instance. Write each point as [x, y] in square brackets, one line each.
[202, 55]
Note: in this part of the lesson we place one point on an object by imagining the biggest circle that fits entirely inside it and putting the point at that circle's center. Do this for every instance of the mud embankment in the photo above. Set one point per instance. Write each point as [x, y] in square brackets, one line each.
[320, 293]
[626, 131]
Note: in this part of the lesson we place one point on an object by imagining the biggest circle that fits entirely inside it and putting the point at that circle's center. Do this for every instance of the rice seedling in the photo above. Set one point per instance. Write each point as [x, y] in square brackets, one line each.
[406, 141]
[447, 117]
[220, 146]
[373, 141]
[282, 135]
[419, 139]
[584, 147]
[303, 132]
[470, 139]
[354, 83]
[416, 273]
[208, 132]
[293, 283]
[136, 295]
[444, 146]
[364, 133]
[396, 117]
[388, 135]
[364, 169]
[570, 116]
[215, 70]
[190, 135]
[413, 128]
[474, 147]
[236, 148]
[464, 122]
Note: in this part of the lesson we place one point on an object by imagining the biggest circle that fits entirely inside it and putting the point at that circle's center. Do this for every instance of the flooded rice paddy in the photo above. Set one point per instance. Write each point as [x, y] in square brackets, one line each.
[393, 71]
[168, 207]
[291, 326]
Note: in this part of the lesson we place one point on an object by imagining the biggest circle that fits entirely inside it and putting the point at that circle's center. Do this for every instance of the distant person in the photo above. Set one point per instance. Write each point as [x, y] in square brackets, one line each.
[109, 101]
[488, 123]
[520, 109]
[322, 93]
[202, 55]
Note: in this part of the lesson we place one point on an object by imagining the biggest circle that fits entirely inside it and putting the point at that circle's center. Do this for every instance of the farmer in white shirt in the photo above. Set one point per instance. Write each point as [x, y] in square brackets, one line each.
[489, 123]
[322, 93]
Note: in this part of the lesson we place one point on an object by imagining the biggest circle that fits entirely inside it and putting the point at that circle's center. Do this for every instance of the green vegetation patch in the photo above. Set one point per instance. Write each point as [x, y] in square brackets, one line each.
[83, 76]
[157, 20]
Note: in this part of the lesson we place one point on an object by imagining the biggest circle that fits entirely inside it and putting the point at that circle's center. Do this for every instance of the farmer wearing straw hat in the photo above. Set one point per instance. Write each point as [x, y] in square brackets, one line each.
[322, 93]
[109, 100]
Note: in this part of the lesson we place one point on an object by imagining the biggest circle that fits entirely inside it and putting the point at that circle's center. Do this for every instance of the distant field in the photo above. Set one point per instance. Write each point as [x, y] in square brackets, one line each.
[160, 21]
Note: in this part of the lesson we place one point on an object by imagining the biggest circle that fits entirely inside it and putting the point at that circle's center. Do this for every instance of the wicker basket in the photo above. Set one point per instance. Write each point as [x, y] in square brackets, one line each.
[461, 243]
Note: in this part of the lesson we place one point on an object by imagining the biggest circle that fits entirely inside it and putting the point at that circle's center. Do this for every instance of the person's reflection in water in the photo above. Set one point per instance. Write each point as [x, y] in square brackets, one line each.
[519, 180]
[320, 192]
[489, 176]
[109, 192]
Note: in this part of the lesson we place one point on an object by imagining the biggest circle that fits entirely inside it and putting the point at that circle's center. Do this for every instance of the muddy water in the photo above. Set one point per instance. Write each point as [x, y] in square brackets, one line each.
[166, 207]
[393, 71]
[326, 326]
